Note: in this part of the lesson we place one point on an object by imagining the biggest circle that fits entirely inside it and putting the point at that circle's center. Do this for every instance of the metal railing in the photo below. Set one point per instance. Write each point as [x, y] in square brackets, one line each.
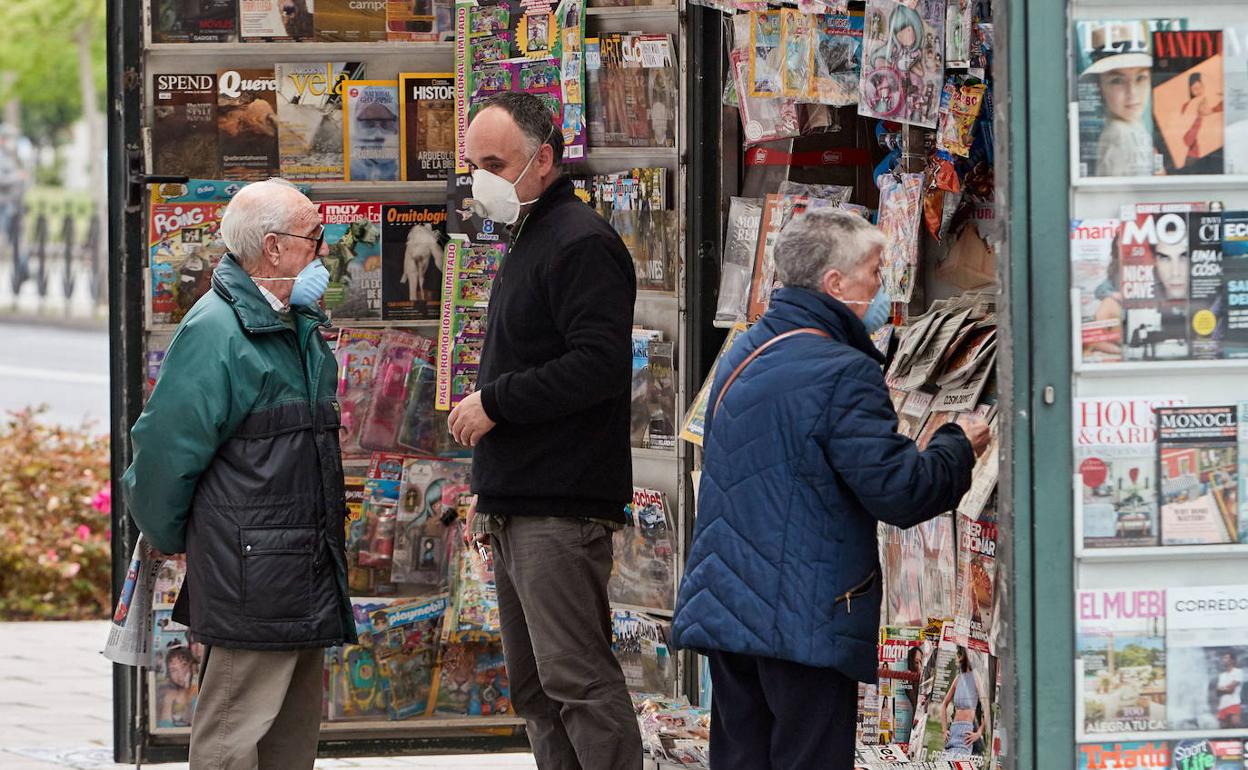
[53, 260]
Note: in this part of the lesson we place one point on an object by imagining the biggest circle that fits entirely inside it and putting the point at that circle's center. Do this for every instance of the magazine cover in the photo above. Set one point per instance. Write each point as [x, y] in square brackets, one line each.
[357, 359]
[427, 125]
[371, 130]
[1115, 461]
[762, 119]
[938, 591]
[247, 124]
[976, 583]
[1206, 657]
[1154, 272]
[694, 425]
[762, 282]
[174, 671]
[643, 573]
[1242, 409]
[1206, 286]
[1139, 755]
[472, 680]
[309, 117]
[640, 645]
[902, 559]
[1189, 100]
[659, 406]
[201, 21]
[184, 248]
[1235, 58]
[260, 20]
[1095, 274]
[405, 640]
[353, 234]
[766, 55]
[1120, 641]
[900, 673]
[900, 210]
[903, 65]
[1197, 474]
[1235, 281]
[1211, 753]
[345, 21]
[740, 242]
[468, 276]
[958, 708]
[835, 59]
[418, 21]
[1113, 87]
[429, 502]
[354, 687]
[184, 126]
[413, 238]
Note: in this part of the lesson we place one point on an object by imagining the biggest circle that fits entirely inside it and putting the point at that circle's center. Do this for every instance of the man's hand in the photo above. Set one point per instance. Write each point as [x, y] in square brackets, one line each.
[470, 539]
[977, 433]
[468, 421]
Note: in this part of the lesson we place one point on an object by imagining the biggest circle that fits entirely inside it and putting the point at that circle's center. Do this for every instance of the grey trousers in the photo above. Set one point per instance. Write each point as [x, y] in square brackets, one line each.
[552, 576]
[258, 710]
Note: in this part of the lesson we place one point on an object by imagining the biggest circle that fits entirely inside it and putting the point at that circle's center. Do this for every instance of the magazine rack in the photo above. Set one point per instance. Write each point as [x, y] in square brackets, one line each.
[134, 61]
[1111, 564]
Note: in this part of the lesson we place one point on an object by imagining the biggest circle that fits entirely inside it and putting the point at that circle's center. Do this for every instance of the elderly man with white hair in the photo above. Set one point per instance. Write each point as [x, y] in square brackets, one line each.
[803, 459]
[236, 463]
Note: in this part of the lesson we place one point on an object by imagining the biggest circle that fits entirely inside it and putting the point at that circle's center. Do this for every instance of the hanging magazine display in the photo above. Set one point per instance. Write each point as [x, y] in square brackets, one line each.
[903, 61]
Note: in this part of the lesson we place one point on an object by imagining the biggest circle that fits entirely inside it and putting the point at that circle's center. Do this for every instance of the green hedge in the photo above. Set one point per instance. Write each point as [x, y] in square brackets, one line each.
[54, 521]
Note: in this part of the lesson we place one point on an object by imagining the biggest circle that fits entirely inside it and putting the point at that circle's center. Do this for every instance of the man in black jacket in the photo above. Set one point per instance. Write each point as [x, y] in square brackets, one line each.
[552, 467]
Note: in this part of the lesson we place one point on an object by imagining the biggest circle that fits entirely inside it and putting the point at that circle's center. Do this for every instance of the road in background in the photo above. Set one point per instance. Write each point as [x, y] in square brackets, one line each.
[65, 368]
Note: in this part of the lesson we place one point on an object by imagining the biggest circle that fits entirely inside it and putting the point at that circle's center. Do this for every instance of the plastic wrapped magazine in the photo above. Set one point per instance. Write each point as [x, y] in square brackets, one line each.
[472, 679]
[694, 426]
[939, 567]
[903, 575]
[900, 211]
[405, 641]
[744, 217]
[643, 573]
[431, 495]
[404, 360]
[354, 688]
[903, 61]
[357, 359]
[796, 34]
[473, 612]
[835, 59]
[174, 671]
[766, 55]
[640, 645]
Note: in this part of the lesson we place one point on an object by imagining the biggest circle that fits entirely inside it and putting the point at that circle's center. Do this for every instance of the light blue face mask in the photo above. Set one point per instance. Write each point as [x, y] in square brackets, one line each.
[877, 310]
[310, 284]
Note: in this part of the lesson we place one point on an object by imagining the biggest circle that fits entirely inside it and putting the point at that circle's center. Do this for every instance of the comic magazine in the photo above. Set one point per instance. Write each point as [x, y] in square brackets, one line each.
[405, 640]
[353, 234]
[640, 645]
[900, 211]
[1189, 100]
[1235, 283]
[370, 133]
[431, 494]
[1121, 664]
[309, 117]
[643, 573]
[1139, 755]
[1197, 474]
[473, 611]
[174, 672]
[1095, 275]
[206, 21]
[1115, 444]
[413, 238]
[903, 65]
[354, 686]
[426, 125]
[766, 55]
[184, 248]
[835, 58]
[469, 274]
[471, 680]
[247, 124]
[1235, 58]
[1112, 83]
[1206, 652]
[184, 125]
[404, 367]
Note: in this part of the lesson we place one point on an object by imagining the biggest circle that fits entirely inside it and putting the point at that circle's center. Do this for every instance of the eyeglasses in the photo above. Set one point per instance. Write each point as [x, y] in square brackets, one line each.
[318, 239]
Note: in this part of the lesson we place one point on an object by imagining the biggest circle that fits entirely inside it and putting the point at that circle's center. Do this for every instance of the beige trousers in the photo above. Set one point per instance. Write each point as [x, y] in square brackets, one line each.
[258, 710]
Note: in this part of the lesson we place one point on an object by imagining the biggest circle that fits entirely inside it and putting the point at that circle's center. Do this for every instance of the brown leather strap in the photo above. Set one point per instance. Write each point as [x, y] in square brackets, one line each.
[758, 352]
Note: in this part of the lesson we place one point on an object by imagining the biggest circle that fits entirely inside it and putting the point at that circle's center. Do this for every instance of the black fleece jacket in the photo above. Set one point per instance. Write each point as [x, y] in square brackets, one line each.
[556, 368]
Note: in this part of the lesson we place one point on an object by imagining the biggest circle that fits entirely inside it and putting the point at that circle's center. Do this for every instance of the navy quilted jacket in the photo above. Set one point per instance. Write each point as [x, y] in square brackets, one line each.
[801, 461]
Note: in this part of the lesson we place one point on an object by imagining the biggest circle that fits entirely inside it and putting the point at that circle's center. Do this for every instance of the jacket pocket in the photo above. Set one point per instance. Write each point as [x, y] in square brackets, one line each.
[277, 571]
[859, 590]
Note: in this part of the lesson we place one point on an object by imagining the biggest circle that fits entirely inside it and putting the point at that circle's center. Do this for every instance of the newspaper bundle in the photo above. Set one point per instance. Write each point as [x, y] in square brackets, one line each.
[130, 635]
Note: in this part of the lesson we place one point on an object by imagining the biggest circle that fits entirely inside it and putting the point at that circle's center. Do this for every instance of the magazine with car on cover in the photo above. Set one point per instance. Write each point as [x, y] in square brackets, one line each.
[1120, 638]
[1198, 474]
[643, 573]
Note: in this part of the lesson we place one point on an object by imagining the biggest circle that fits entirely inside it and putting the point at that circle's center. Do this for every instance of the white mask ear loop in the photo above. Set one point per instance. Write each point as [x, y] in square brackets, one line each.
[533, 157]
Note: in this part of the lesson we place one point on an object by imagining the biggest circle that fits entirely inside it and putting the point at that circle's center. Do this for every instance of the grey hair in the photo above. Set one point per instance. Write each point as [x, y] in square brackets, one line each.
[254, 212]
[820, 240]
[535, 121]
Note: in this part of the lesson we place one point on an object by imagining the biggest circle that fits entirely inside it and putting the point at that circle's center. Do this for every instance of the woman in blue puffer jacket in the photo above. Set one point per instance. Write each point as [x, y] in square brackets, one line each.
[802, 459]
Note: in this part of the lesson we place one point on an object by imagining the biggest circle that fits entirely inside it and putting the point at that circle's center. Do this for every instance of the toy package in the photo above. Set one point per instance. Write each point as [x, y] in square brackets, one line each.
[405, 638]
[431, 495]
[472, 680]
[400, 359]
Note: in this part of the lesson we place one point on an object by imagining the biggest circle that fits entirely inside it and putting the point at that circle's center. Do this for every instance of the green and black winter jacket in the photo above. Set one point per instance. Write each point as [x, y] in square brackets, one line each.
[237, 464]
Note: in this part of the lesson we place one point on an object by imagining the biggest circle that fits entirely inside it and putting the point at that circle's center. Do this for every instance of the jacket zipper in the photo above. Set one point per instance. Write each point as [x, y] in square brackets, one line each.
[857, 590]
[313, 380]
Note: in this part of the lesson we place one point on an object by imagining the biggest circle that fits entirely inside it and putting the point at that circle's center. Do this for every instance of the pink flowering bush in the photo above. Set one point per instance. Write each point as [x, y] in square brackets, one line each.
[54, 521]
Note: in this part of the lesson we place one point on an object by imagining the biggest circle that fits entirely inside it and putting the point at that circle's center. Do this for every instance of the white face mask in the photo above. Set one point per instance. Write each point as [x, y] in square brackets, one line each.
[495, 198]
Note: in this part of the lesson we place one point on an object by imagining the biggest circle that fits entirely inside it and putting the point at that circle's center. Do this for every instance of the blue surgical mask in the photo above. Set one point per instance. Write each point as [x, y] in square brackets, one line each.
[877, 310]
[310, 284]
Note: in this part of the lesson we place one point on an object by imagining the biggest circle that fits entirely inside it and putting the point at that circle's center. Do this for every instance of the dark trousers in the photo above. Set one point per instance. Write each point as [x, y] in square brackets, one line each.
[552, 576]
[769, 714]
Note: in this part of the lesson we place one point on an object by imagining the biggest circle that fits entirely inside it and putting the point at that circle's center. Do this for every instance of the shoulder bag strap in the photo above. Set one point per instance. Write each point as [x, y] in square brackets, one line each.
[758, 352]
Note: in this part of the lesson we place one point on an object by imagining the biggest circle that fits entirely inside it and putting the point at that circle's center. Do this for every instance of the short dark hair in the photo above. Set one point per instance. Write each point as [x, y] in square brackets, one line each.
[535, 121]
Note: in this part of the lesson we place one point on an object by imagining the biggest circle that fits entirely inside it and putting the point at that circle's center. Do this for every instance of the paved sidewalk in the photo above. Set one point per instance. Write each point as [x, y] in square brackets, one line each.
[56, 707]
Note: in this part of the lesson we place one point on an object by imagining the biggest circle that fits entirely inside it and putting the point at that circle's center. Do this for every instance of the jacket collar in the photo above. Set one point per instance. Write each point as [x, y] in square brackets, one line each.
[254, 312]
[559, 189]
[795, 308]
